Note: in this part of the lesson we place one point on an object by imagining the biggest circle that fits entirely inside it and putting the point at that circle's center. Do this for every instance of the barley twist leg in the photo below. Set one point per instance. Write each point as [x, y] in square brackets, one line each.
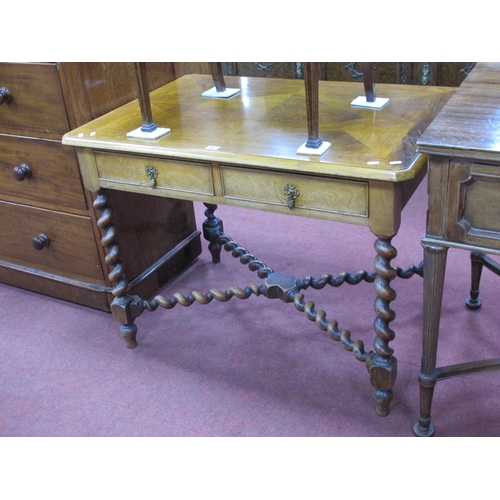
[122, 307]
[382, 366]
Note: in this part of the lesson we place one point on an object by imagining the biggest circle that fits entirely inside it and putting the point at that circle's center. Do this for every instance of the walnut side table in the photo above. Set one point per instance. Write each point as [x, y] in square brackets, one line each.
[242, 152]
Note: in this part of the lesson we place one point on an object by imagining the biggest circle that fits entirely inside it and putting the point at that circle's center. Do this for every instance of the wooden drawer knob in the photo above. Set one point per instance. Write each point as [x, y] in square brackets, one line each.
[4, 95]
[41, 241]
[21, 172]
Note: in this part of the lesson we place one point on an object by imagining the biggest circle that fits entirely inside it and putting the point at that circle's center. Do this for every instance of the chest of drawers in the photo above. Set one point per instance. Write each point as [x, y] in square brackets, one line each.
[49, 241]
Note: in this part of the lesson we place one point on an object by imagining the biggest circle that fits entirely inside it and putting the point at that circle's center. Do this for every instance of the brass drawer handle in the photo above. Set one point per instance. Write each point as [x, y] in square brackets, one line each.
[152, 173]
[5, 95]
[40, 241]
[291, 193]
[22, 172]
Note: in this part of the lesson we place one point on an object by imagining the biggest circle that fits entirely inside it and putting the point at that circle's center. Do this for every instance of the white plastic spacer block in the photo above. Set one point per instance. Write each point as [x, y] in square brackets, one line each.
[361, 102]
[303, 150]
[221, 95]
[155, 134]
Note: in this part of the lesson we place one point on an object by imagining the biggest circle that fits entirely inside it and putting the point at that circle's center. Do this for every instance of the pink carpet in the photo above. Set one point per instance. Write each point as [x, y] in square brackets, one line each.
[255, 367]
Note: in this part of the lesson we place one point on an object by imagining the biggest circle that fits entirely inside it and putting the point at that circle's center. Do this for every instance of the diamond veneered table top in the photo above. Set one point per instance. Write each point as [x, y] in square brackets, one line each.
[266, 123]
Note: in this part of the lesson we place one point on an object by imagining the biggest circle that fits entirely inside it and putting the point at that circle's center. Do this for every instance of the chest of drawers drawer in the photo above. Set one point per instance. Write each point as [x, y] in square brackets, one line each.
[36, 171]
[169, 175]
[65, 242]
[311, 194]
[35, 102]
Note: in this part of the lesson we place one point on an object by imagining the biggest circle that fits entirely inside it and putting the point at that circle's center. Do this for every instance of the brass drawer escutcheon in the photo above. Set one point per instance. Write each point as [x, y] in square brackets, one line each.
[291, 193]
[152, 174]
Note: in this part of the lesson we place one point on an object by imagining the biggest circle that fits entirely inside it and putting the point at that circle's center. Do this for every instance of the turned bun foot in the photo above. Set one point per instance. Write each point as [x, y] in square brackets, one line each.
[420, 431]
[383, 401]
[473, 303]
[129, 333]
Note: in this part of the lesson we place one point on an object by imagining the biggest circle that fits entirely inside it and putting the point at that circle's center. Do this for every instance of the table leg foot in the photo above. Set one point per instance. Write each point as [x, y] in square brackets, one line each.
[129, 333]
[473, 301]
[382, 401]
[424, 428]
[125, 310]
[422, 431]
[473, 304]
[212, 229]
[383, 373]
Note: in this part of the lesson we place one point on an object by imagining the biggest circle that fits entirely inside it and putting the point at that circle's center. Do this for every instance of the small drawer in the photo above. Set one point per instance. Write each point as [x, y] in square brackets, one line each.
[35, 102]
[315, 194]
[172, 175]
[71, 248]
[40, 171]
[473, 204]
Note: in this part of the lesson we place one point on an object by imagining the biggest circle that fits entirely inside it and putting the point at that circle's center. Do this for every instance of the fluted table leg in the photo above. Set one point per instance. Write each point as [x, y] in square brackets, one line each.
[434, 272]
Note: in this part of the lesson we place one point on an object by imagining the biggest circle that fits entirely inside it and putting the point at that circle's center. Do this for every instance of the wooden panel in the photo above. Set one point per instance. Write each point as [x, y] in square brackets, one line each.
[145, 236]
[482, 204]
[438, 198]
[385, 72]
[448, 74]
[71, 252]
[95, 296]
[452, 74]
[352, 72]
[267, 69]
[189, 68]
[173, 175]
[464, 202]
[110, 84]
[316, 194]
[477, 199]
[54, 181]
[445, 74]
[37, 103]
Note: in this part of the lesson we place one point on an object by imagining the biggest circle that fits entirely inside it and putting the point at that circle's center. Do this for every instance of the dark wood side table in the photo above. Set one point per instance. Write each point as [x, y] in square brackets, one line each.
[463, 144]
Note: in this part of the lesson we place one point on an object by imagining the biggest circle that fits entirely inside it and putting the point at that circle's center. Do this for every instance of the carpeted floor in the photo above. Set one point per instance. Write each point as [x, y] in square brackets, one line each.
[255, 367]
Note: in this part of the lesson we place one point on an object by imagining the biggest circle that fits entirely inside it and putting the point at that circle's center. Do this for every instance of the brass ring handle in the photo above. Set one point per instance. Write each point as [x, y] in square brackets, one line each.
[291, 193]
[5, 95]
[22, 172]
[40, 241]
